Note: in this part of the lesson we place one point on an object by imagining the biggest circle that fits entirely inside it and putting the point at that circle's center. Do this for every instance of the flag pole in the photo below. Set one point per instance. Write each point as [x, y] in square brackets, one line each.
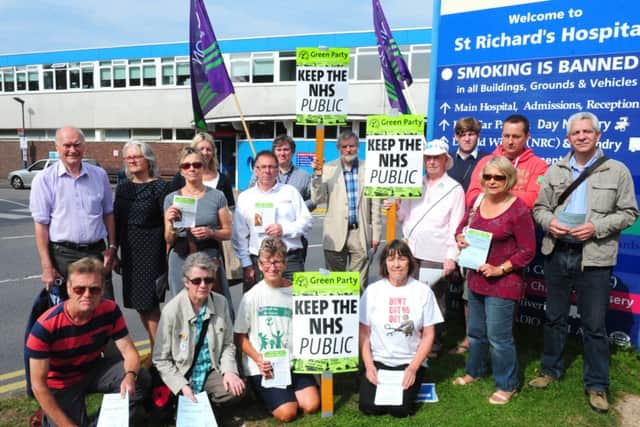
[409, 98]
[244, 125]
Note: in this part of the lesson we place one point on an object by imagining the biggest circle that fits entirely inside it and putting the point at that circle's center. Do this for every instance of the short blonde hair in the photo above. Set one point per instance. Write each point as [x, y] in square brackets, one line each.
[505, 166]
[204, 136]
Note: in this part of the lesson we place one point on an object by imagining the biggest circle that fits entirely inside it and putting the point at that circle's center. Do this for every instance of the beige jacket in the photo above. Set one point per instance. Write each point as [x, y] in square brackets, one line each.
[176, 339]
[331, 188]
[611, 207]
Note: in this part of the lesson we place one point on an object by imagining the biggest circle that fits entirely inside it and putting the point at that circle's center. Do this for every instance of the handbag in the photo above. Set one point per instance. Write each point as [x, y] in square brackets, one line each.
[163, 402]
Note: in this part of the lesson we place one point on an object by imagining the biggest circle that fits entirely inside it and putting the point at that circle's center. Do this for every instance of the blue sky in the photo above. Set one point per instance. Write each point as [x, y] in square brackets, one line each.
[41, 25]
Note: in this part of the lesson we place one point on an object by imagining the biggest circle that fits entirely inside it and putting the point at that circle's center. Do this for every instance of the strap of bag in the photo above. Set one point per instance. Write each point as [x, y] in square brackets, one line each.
[203, 332]
[474, 208]
[429, 210]
[584, 175]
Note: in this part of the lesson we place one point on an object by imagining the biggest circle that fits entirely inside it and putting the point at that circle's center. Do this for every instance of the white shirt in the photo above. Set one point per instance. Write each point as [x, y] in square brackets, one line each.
[396, 316]
[265, 314]
[291, 213]
[432, 236]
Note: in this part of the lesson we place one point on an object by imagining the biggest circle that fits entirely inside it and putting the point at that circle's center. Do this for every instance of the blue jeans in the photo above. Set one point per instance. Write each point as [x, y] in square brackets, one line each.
[490, 324]
[563, 272]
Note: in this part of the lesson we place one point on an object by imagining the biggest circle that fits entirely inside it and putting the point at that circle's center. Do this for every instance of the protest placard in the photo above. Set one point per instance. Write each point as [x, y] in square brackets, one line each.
[322, 83]
[325, 322]
[394, 156]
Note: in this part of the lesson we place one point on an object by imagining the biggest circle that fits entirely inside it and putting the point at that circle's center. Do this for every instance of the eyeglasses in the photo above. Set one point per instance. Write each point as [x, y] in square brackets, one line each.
[93, 290]
[275, 263]
[489, 177]
[198, 280]
[187, 165]
[134, 158]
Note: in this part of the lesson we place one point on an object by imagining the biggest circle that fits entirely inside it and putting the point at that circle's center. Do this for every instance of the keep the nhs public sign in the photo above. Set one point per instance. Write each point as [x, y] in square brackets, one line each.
[547, 60]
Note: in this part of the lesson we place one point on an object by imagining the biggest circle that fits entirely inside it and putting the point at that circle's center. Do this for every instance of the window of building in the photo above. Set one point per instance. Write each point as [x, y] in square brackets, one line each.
[35, 134]
[182, 74]
[9, 80]
[87, 75]
[148, 75]
[134, 72]
[298, 131]
[331, 132]
[262, 129]
[117, 134]
[281, 129]
[287, 66]
[185, 134]
[60, 74]
[311, 131]
[368, 64]
[47, 77]
[119, 76]
[167, 134]
[144, 133]
[74, 77]
[105, 73]
[421, 62]
[89, 134]
[262, 68]
[240, 64]
[21, 78]
[362, 129]
[34, 80]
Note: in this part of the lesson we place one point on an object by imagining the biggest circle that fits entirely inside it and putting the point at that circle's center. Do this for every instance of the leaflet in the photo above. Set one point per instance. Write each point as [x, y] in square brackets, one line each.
[188, 207]
[389, 389]
[265, 214]
[281, 368]
[430, 275]
[427, 393]
[114, 411]
[474, 255]
[197, 414]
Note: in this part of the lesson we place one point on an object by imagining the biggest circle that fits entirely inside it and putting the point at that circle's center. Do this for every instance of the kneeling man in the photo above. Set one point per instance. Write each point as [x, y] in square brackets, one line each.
[65, 350]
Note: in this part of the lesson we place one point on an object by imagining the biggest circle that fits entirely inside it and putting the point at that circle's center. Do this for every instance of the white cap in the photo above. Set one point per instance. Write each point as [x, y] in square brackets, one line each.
[437, 147]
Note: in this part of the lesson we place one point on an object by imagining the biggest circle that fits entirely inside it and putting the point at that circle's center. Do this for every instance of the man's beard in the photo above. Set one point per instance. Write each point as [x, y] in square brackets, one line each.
[349, 158]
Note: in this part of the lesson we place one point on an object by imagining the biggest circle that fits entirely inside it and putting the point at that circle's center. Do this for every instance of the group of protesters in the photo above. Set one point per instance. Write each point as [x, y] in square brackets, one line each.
[82, 235]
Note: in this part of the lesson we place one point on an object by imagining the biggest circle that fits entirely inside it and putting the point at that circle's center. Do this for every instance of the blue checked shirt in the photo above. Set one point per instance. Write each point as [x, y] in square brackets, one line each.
[351, 181]
[203, 360]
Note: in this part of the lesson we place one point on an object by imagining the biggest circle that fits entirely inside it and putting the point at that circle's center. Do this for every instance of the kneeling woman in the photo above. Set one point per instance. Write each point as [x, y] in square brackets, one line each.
[264, 323]
[194, 349]
[397, 318]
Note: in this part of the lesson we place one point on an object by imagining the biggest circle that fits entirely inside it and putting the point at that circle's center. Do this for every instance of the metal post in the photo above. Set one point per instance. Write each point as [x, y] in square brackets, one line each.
[22, 137]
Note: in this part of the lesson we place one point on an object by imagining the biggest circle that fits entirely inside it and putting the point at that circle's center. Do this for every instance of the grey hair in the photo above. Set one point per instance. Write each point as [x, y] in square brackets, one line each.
[147, 153]
[199, 260]
[584, 115]
[347, 134]
[77, 130]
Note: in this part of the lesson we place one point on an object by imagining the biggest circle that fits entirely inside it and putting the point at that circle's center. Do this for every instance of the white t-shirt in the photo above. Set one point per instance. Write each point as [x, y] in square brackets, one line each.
[265, 314]
[395, 316]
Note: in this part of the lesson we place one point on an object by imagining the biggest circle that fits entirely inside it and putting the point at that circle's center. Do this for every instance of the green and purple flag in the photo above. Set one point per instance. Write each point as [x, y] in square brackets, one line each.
[210, 83]
[394, 68]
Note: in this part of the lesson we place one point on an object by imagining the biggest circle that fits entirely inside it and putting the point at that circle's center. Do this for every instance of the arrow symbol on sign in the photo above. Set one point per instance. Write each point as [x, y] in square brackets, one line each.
[444, 107]
[444, 124]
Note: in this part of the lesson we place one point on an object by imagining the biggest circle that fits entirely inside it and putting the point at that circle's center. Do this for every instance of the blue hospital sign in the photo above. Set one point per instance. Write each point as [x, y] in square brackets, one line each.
[547, 60]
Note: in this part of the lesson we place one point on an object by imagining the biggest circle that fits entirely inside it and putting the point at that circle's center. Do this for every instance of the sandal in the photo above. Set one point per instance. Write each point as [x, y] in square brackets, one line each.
[459, 349]
[501, 397]
[466, 380]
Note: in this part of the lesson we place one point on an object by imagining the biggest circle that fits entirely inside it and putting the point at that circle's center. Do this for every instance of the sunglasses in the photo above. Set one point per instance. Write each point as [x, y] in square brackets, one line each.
[489, 177]
[198, 280]
[187, 165]
[93, 290]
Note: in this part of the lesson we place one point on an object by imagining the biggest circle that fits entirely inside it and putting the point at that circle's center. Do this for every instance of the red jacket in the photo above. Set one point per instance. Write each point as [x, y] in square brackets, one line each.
[531, 169]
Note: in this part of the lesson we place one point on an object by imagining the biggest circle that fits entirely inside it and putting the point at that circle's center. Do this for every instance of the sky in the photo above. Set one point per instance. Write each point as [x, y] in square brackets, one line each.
[42, 25]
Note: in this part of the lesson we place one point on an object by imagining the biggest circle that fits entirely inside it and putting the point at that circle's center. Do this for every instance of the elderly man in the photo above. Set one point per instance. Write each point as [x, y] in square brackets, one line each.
[269, 209]
[72, 208]
[429, 225]
[582, 225]
[531, 168]
[352, 223]
[467, 132]
[65, 346]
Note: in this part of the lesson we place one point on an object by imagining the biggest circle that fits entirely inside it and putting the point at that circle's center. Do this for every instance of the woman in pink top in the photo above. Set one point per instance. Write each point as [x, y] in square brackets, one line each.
[498, 284]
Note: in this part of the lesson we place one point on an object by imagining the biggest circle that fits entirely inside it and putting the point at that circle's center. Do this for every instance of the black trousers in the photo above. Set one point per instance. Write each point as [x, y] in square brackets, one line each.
[368, 394]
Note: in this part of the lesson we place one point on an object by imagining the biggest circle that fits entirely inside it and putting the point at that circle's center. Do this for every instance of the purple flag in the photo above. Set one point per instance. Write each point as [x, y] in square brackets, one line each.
[394, 69]
[210, 83]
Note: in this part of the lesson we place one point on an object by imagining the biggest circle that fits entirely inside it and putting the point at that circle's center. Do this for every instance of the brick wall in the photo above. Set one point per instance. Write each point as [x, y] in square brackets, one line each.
[103, 152]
